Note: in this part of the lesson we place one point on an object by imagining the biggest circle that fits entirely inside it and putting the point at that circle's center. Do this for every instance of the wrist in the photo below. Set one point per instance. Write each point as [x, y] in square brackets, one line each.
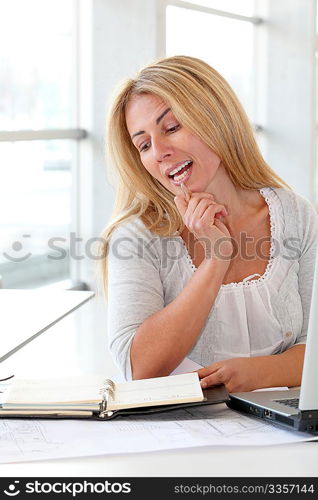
[220, 249]
[217, 266]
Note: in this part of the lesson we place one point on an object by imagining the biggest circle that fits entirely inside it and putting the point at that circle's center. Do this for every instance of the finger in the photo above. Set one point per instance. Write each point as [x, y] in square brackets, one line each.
[202, 194]
[222, 227]
[196, 197]
[186, 192]
[207, 370]
[201, 207]
[181, 204]
[218, 210]
[209, 214]
[216, 378]
[194, 202]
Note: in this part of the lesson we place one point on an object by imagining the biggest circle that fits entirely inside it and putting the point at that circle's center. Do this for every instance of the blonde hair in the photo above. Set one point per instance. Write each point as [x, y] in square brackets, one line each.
[202, 101]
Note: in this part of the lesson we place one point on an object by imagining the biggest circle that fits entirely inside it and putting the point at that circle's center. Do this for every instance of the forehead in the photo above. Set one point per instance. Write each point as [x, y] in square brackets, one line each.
[143, 109]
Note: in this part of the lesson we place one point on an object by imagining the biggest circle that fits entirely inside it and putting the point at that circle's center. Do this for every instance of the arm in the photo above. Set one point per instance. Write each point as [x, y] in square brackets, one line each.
[165, 338]
[147, 338]
[135, 289]
[308, 249]
[247, 374]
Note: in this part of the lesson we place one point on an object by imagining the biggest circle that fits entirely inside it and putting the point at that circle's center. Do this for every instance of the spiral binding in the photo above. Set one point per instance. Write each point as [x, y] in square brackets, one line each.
[107, 392]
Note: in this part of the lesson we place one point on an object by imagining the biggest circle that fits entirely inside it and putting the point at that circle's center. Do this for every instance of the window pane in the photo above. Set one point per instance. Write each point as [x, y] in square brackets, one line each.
[226, 44]
[35, 208]
[242, 7]
[36, 64]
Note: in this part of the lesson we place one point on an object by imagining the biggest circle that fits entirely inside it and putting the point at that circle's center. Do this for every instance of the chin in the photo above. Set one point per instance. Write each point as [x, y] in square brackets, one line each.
[197, 188]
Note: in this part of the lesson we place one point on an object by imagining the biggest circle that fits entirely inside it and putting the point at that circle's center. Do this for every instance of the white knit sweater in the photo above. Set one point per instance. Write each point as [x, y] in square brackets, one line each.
[251, 318]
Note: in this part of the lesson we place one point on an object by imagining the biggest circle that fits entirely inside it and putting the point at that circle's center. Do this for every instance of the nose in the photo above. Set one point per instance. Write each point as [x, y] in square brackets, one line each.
[161, 149]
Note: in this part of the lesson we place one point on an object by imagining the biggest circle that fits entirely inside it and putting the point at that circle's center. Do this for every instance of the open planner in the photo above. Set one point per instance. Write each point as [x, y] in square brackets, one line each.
[100, 398]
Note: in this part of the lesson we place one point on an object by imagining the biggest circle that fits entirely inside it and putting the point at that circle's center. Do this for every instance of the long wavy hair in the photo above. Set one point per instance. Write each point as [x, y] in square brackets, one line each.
[202, 101]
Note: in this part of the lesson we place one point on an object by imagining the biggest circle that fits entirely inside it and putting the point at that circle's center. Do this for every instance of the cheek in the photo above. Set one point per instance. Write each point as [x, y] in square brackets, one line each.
[202, 150]
[214, 161]
[152, 170]
[149, 169]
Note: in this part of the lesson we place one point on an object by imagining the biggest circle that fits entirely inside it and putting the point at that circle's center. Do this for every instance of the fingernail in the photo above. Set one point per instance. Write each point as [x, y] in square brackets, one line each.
[203, 384]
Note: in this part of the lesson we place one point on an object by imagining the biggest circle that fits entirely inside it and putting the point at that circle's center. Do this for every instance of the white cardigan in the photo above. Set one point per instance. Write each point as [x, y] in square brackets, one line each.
[254, 317]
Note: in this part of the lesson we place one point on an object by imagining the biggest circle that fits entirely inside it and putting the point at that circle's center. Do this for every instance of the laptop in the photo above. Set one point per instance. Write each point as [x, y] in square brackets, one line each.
[295, 409]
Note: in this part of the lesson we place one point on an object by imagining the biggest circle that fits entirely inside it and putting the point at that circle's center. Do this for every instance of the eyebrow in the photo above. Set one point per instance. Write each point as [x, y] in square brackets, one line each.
[157, 122]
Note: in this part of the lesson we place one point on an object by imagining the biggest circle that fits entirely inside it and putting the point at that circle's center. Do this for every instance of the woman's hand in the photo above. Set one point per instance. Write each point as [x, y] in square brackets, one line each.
[248, 374]
[237, 374]
[202, 216]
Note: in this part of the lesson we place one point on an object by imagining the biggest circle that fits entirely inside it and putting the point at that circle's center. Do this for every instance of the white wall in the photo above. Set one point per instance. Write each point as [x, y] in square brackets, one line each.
[117, 37]
[287, 89]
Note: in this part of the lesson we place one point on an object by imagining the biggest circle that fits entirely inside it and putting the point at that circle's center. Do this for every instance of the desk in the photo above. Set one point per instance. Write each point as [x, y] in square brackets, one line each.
[297, 460]
[84, 340]
[25, 314]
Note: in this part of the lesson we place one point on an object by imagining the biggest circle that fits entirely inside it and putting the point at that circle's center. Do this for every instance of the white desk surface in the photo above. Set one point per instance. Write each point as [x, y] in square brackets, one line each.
[78, 344]
[25, 314]
[297, 460]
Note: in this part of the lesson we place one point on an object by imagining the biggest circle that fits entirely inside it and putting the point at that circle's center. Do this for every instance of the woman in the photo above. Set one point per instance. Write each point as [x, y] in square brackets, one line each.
[221, 274]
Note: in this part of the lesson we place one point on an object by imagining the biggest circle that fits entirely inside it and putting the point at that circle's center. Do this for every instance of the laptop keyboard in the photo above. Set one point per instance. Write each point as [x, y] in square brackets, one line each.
[293, 402]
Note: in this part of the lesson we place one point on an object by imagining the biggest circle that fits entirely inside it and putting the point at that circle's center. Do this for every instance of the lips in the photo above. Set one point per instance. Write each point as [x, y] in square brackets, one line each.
[177, 167]
[182, 176]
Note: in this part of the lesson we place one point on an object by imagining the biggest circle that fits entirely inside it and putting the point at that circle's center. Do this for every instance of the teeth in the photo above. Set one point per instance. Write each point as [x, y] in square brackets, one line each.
[176, 170]
[180, 177]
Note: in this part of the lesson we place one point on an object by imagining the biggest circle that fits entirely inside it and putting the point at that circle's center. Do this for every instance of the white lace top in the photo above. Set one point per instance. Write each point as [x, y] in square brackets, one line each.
[254, 317]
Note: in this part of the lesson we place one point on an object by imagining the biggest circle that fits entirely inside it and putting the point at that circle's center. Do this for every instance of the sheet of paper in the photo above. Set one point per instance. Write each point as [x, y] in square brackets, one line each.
[4, 387]
[187, 365]
[63, 390]
[183, 387]
[215, 425]
[271, 389]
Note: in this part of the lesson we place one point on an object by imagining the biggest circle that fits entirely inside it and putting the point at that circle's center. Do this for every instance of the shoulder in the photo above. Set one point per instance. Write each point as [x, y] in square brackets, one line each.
[296, 208]
[131, 228]
[301, 218]
[292, 201]
[132, 239]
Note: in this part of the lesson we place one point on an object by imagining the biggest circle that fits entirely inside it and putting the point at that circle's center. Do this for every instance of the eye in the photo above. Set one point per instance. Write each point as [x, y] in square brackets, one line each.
[144, 147]
[174, 128]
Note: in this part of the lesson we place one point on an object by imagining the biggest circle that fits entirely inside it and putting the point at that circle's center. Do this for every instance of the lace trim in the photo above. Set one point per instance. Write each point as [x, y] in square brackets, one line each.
[188, 256]
[267, 194]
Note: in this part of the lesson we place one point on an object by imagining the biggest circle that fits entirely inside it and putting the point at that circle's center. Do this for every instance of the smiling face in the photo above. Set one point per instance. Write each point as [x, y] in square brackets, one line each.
[169, 151]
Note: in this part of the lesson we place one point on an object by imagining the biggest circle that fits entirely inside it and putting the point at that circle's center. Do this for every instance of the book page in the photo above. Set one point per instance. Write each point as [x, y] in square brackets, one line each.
[78, 389]
[186, 366]
[182, 388]
[85, 392]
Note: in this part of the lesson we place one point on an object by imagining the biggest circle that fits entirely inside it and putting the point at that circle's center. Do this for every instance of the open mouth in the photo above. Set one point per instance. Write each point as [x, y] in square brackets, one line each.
[181, 173]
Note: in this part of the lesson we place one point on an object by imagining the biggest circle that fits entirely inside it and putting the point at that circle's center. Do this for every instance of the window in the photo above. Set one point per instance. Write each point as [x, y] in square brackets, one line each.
[226, 43]
[37, 146]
